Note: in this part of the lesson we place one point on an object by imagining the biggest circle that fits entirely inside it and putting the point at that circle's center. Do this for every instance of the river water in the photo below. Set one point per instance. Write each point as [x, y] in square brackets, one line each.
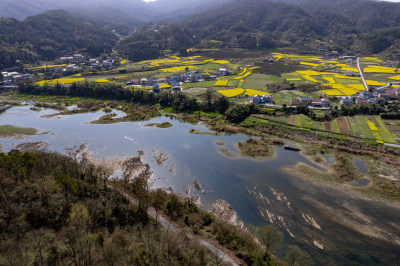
[333, 224]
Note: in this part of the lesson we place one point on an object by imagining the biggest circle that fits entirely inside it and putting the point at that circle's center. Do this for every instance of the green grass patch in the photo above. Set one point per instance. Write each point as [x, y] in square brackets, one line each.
[259, 81]
[8, 130]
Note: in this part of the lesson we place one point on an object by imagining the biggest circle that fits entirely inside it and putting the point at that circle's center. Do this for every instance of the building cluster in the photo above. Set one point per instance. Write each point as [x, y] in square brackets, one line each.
[174, 82]
[367, 97]
[14, 77]
[266, 99]
[78, 60]
[314, 103]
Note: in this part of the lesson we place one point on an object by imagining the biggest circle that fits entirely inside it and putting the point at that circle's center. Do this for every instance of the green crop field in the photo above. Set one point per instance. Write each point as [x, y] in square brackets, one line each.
[259, 81]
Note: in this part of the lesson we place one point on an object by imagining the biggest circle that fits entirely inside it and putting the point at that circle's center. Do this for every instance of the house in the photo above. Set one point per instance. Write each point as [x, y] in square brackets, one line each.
[156, 88]
[176, 89]
[295, 102]
[175, 86]
[346, 100]
[391, 63]
[256, 99]
[305, 100]
[364, 94]
[70, 59]
[71, 66]
[213, 77]
[265, 99]
[349, 61]
[161, 80]
[349, 73]
[94, 65]
[64, 59]
[57, 69]
[222, 71]
[152, 81]
[335, 53]
[106, 63]
[17, 77]
[366, 101]
[144, 81]
[321, 103]
[175, 78]
[388, 94]
[26, 76]
[78, 56]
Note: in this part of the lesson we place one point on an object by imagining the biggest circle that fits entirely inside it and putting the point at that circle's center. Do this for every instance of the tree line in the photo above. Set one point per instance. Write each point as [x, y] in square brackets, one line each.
[180, 102]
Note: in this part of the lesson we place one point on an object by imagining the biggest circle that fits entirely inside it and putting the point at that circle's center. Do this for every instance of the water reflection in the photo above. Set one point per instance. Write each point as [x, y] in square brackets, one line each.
[329, 222]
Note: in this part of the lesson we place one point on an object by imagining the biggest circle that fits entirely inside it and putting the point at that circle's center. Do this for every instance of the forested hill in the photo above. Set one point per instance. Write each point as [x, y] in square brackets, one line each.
[360, 26]
[49, 35]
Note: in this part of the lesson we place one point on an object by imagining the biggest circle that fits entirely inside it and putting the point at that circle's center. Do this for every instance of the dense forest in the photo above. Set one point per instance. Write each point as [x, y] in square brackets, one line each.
[360, 26]
[49, 35]
[69, 216]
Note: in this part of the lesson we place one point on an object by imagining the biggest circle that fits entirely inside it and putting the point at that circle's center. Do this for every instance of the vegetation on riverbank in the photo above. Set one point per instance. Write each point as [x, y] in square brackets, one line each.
[68, 215]
[160, 125]
[256, 148]
[12, 131]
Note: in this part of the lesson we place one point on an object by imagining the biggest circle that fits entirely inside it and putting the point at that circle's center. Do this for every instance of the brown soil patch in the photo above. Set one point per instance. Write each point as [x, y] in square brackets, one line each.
[292, 120]
[328, 126]
[342, 125]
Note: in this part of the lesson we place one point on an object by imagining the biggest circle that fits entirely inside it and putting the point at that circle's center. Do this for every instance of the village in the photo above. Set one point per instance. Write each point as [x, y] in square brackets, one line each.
[79, 67]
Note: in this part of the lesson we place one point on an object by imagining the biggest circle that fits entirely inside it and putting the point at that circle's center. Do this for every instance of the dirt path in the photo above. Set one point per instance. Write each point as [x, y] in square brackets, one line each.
[225, 257]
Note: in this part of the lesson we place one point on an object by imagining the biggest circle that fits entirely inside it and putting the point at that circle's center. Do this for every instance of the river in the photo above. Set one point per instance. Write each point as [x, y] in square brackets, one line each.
[333, 224]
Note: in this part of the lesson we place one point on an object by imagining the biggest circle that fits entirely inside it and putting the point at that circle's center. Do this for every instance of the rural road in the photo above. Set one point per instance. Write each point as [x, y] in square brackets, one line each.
[362, 75]
[225, 257]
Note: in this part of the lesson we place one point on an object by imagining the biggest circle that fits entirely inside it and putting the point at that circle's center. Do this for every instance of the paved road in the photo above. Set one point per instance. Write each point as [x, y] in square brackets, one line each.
[362, 75]
[225, 257]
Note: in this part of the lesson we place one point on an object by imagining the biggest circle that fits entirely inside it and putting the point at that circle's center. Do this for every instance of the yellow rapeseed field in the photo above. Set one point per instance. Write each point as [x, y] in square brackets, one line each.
[51, 66]
[330, 79]
[372, 126]
[102, 80]
[231, 92]
[308, 64]
[251, 92]
[221, 83]
[164, 86]
[359, 87]
[60, 81]
[242, 73]
[395, 77]
[222, 62]
[379, 69]
[309, 78]
[332, 92]
[375, 83]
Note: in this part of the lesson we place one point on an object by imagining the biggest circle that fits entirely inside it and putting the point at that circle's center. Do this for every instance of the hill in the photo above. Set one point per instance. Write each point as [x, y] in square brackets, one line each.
[360, 26]
[48, 35]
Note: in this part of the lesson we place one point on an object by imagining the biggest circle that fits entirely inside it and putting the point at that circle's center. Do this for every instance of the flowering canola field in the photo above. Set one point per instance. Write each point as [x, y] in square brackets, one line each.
[231, 92]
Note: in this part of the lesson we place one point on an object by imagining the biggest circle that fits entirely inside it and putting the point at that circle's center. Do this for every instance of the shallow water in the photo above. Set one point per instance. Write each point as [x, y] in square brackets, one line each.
[350, 229]
[360, 165]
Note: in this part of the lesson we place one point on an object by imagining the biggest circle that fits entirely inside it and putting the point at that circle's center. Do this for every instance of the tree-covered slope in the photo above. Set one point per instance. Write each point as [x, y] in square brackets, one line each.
[49, 35]
[360, 26]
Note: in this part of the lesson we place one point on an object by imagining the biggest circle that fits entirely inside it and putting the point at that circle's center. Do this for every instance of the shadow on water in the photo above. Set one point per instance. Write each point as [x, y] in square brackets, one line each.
[332, 224]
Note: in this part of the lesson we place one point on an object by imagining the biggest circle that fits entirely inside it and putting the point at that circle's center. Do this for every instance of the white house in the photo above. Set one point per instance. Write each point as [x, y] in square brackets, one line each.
[222, 71]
